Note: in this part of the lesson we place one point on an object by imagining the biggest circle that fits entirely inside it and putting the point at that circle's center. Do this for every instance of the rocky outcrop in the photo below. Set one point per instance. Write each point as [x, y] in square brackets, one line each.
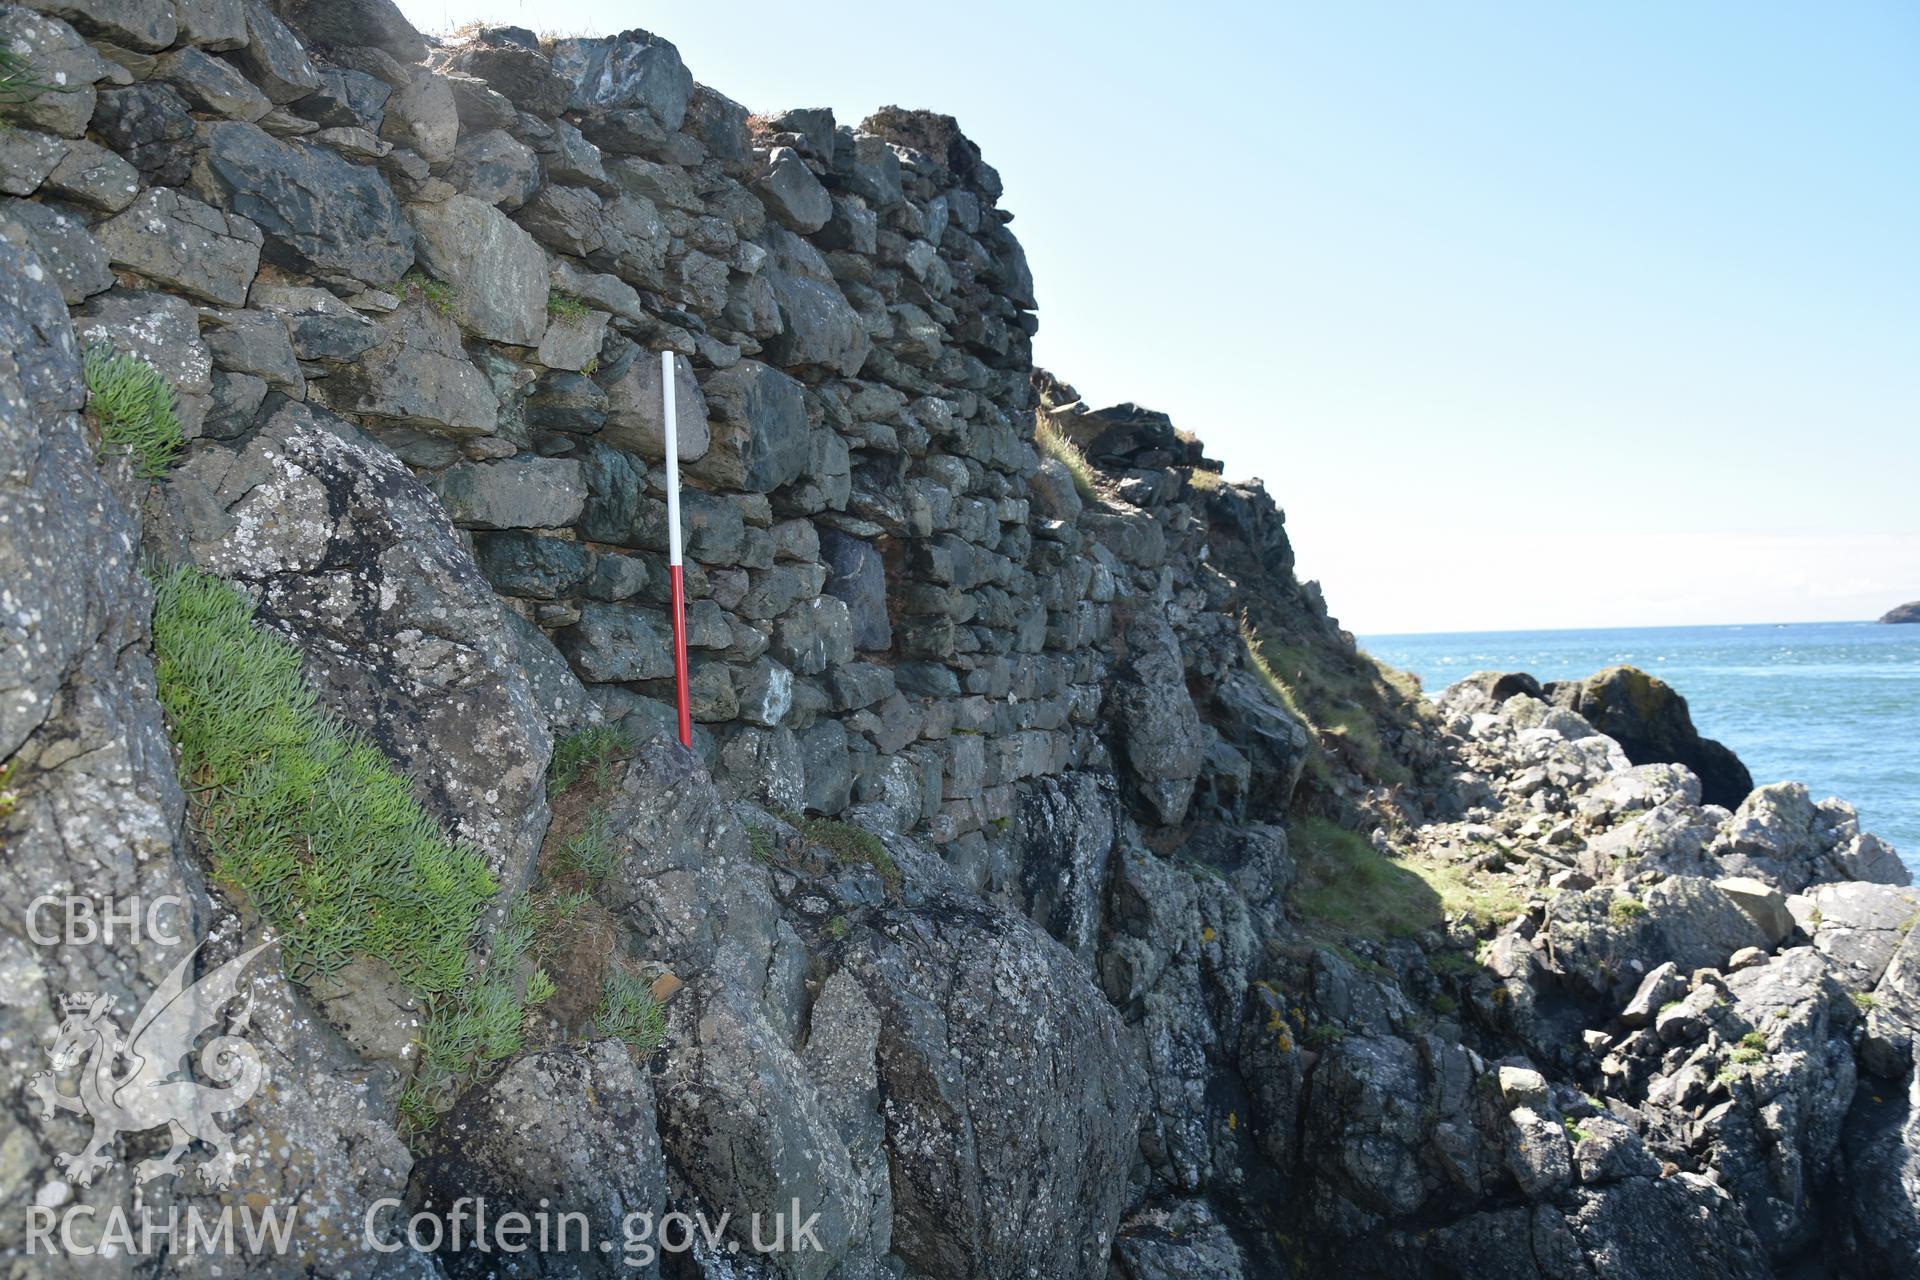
[1903, 613]
[1651, 723]
[1053, 888]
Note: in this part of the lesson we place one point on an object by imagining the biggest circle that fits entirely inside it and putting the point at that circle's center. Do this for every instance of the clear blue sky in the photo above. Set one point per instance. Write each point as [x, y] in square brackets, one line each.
[1530, 314]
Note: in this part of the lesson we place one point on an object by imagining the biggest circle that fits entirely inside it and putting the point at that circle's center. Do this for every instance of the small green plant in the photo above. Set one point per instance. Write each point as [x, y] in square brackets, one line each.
[1754, 1040]
[1865, 999]
[134, 410]
[1323, 1035]
[540, 988]
[838, 928]
[1205, 481]
[1444, 1004]
[1058, 447]
[1670, 1004]
[308, 819]
[591, 850]
[592, 366]
[1745, 1055]
[1625, 910]
[564, 306]
[9, 798]
[759, 842]
[1574, 1131]
[849, 843]
[438, 294]
[590, 751]
[629, 1012]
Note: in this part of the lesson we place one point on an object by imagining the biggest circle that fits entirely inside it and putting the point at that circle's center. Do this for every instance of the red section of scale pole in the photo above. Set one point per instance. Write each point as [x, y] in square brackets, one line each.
[680, 654]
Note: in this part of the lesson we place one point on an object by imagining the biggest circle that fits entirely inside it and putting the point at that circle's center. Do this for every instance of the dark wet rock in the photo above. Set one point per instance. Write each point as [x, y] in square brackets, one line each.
[150, 126]
[495, 167]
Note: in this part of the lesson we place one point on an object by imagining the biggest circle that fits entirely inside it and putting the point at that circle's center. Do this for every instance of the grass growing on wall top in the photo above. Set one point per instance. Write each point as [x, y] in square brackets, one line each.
[311, 821]
[1347, 887]
[1057, 446]
[134, 410]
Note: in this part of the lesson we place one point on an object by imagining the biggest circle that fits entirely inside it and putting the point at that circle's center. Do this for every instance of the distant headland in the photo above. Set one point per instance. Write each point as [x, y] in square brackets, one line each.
[1909, 612]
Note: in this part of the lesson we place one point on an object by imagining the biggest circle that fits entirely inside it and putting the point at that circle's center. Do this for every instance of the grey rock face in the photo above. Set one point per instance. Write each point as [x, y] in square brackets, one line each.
[635, 407]
[569, 1129]
[340, 543]
[213, 85]
[160, 329]
[273, 57]
[136, 24]
[759, 437]
[998, 1058]
[631, 70]
[65, 63]
[618, 642]
[495, 167]
[792, 194]
[60, 243]
[320, 214]
[859, 579]
[418, 374]
[498, 273]
[1155, 721]
[515, 493]
[175, 240]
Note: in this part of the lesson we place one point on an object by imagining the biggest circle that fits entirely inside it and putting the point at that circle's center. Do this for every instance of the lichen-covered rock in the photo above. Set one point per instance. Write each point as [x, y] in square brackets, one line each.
[1011, 1103]
[175, 240]
[339, 543]
[66, 68]
[566, 1130]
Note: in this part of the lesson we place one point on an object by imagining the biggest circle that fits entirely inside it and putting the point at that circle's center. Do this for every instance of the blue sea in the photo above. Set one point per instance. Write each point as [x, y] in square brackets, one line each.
[1835, 705]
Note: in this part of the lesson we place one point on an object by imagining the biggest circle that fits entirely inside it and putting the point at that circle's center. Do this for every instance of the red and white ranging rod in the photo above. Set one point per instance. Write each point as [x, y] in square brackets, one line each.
[674, 573]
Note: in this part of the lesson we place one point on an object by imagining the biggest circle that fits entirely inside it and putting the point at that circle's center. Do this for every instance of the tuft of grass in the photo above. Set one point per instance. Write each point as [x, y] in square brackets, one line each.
[564, 306]
[1324, 1035]
[591, 851]
[9, 797]
[1754, 1040]
[629, 1012]
[1574, 1131]
[1346, 886]
[1341, 700]
[1626, 910]
[1056, 445]
[440, 295]
[838, 928]
[134, 409]
[590, 751]
[849, 843]
[760, 842]
[1205, 481]
[1865, 999]
[302, 814]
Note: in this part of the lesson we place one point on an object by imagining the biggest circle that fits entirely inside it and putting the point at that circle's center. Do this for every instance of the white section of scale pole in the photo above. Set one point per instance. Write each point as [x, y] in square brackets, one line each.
[673, 458]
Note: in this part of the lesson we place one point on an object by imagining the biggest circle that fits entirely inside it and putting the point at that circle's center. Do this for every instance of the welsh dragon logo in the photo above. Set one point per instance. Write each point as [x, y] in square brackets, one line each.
[135, 1082]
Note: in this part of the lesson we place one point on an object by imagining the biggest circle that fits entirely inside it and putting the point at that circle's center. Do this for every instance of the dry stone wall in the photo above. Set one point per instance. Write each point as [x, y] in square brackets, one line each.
[468, 251]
